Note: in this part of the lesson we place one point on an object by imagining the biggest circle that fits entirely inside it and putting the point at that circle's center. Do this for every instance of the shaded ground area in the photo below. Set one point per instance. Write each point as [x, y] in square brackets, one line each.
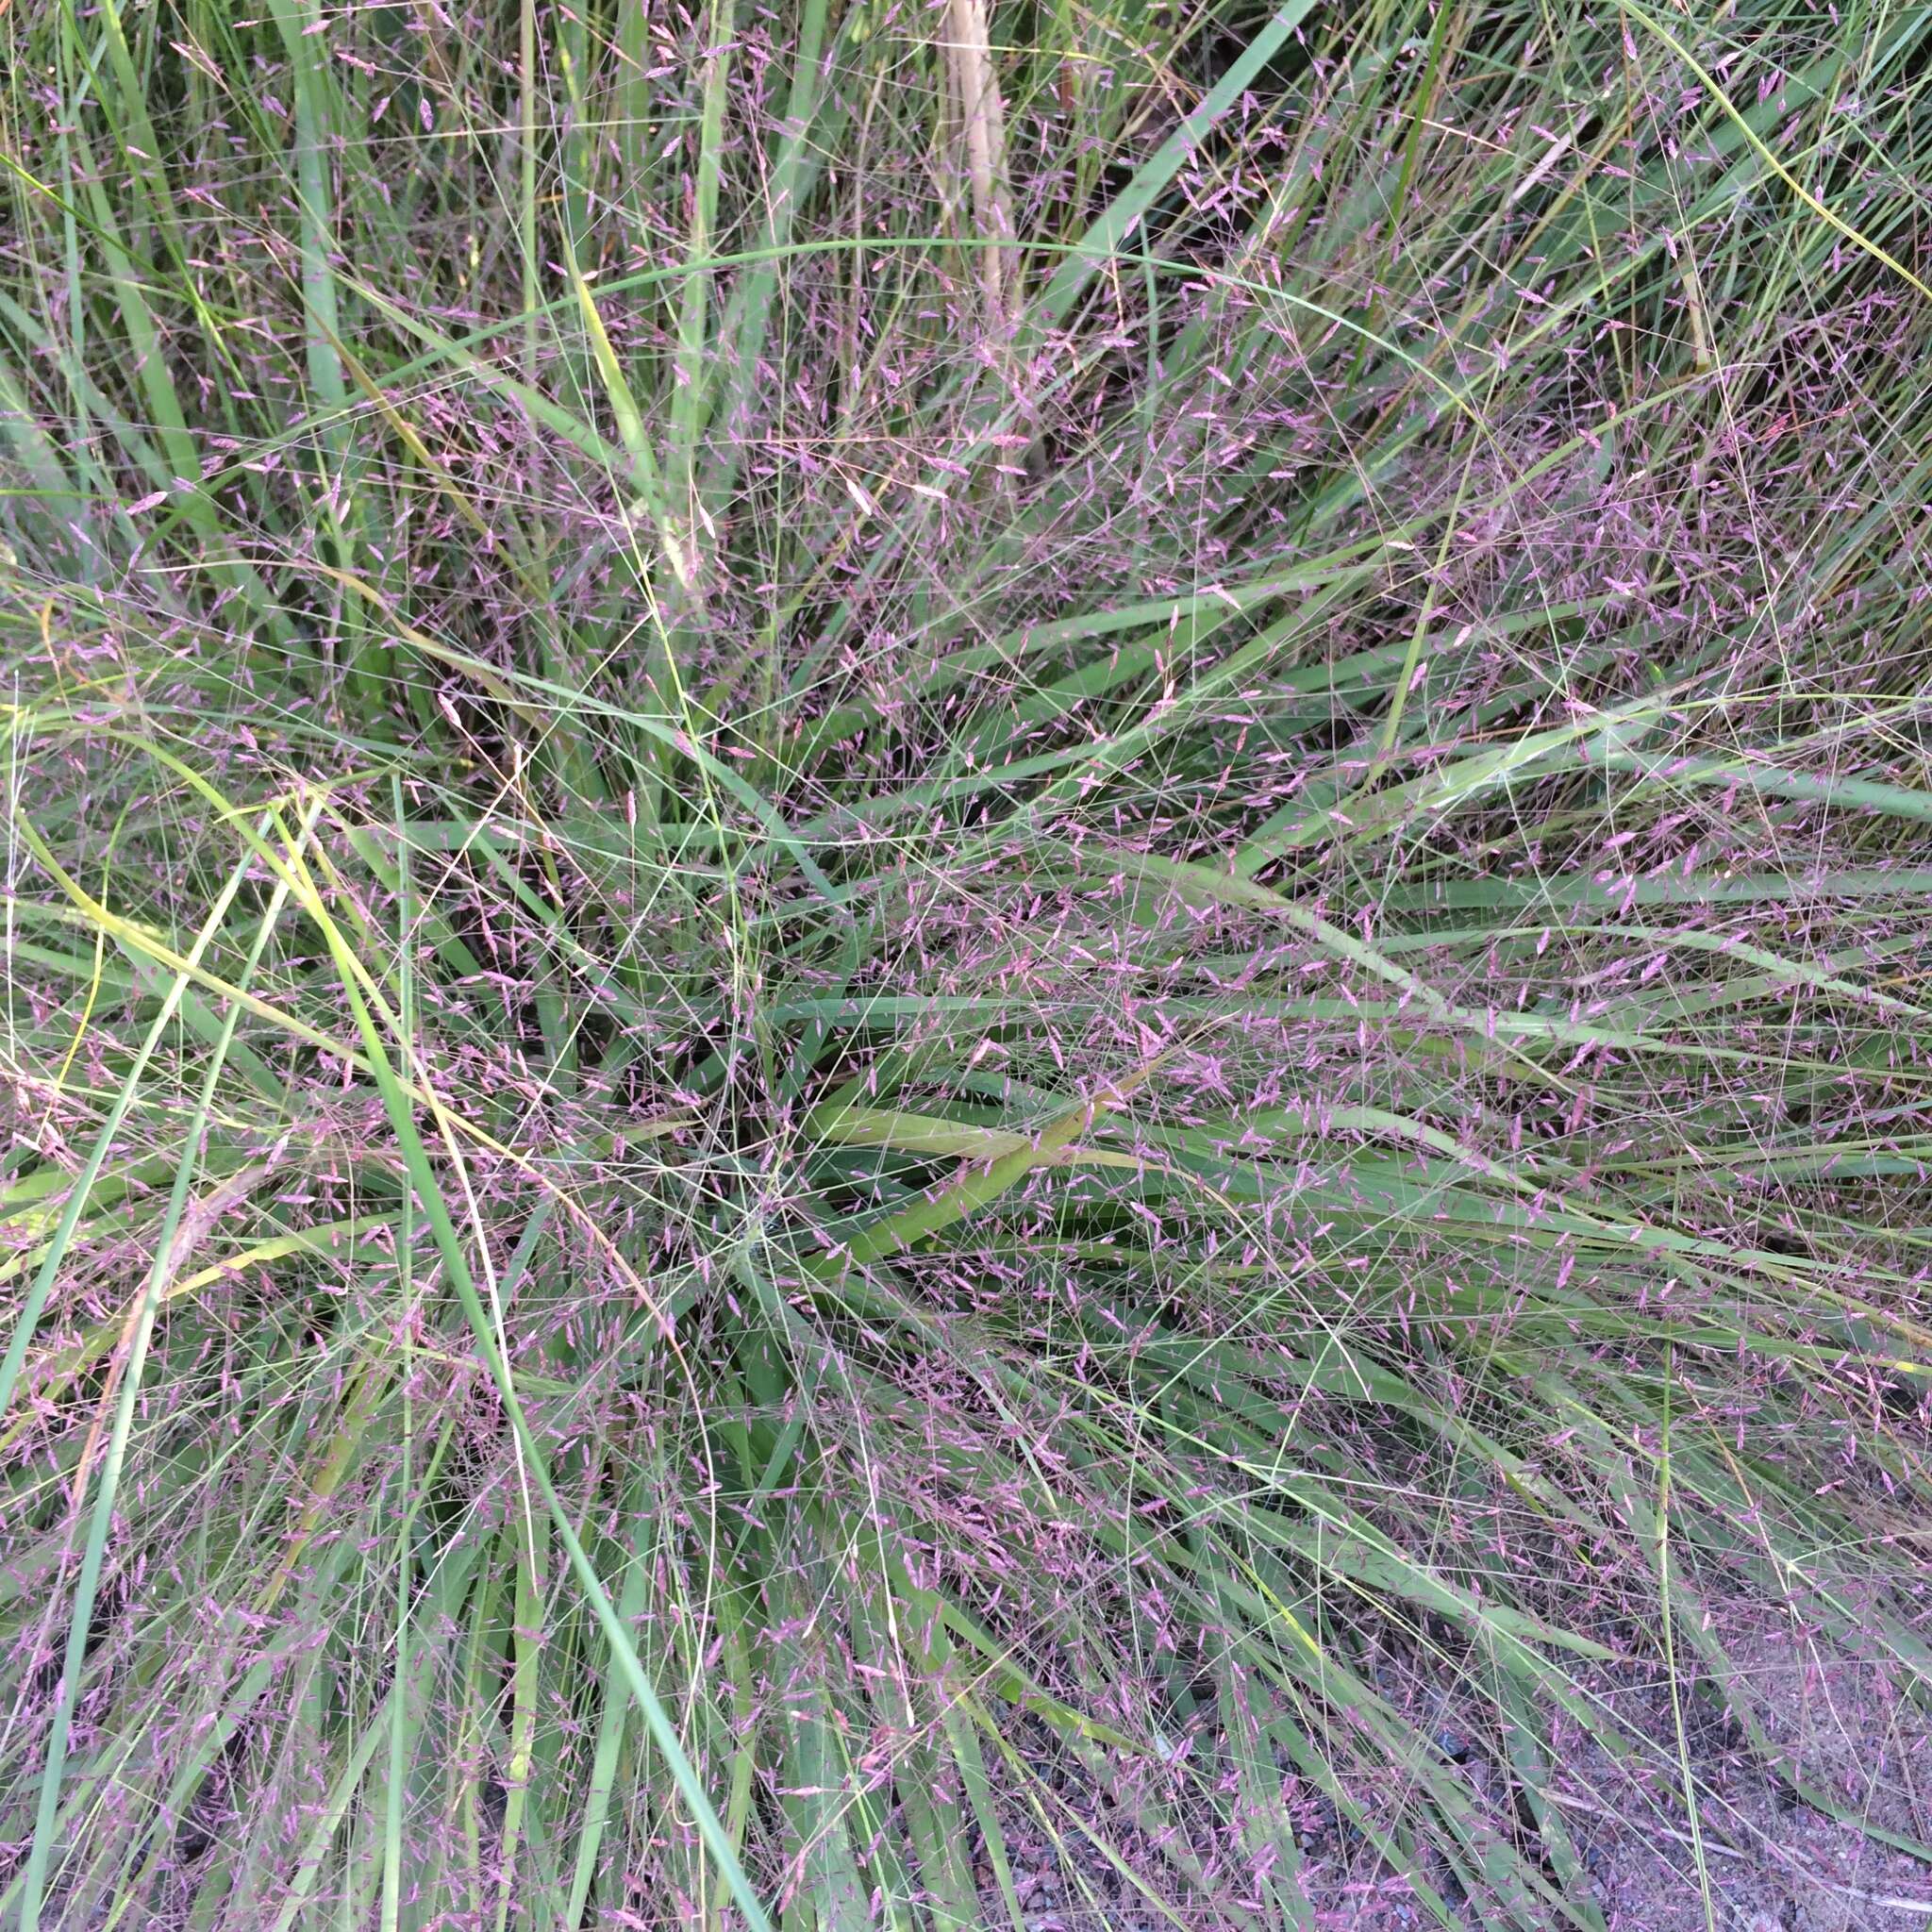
[1763, 1860]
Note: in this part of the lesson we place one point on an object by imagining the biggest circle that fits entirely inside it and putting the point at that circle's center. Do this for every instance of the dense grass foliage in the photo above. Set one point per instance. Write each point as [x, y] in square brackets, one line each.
[920, 916]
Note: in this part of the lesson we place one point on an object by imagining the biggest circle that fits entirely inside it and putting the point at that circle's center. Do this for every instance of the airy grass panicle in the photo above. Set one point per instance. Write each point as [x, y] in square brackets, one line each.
[964, 965]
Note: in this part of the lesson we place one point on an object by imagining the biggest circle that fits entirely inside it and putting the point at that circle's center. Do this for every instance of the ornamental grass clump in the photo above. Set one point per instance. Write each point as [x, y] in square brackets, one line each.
[964, 966]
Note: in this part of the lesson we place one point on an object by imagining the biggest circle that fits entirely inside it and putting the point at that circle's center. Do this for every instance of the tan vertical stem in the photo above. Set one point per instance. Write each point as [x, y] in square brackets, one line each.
[982, 132]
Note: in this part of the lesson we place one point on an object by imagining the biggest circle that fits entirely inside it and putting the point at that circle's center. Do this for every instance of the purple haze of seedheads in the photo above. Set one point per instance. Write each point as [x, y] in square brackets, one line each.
[1176, 1037]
